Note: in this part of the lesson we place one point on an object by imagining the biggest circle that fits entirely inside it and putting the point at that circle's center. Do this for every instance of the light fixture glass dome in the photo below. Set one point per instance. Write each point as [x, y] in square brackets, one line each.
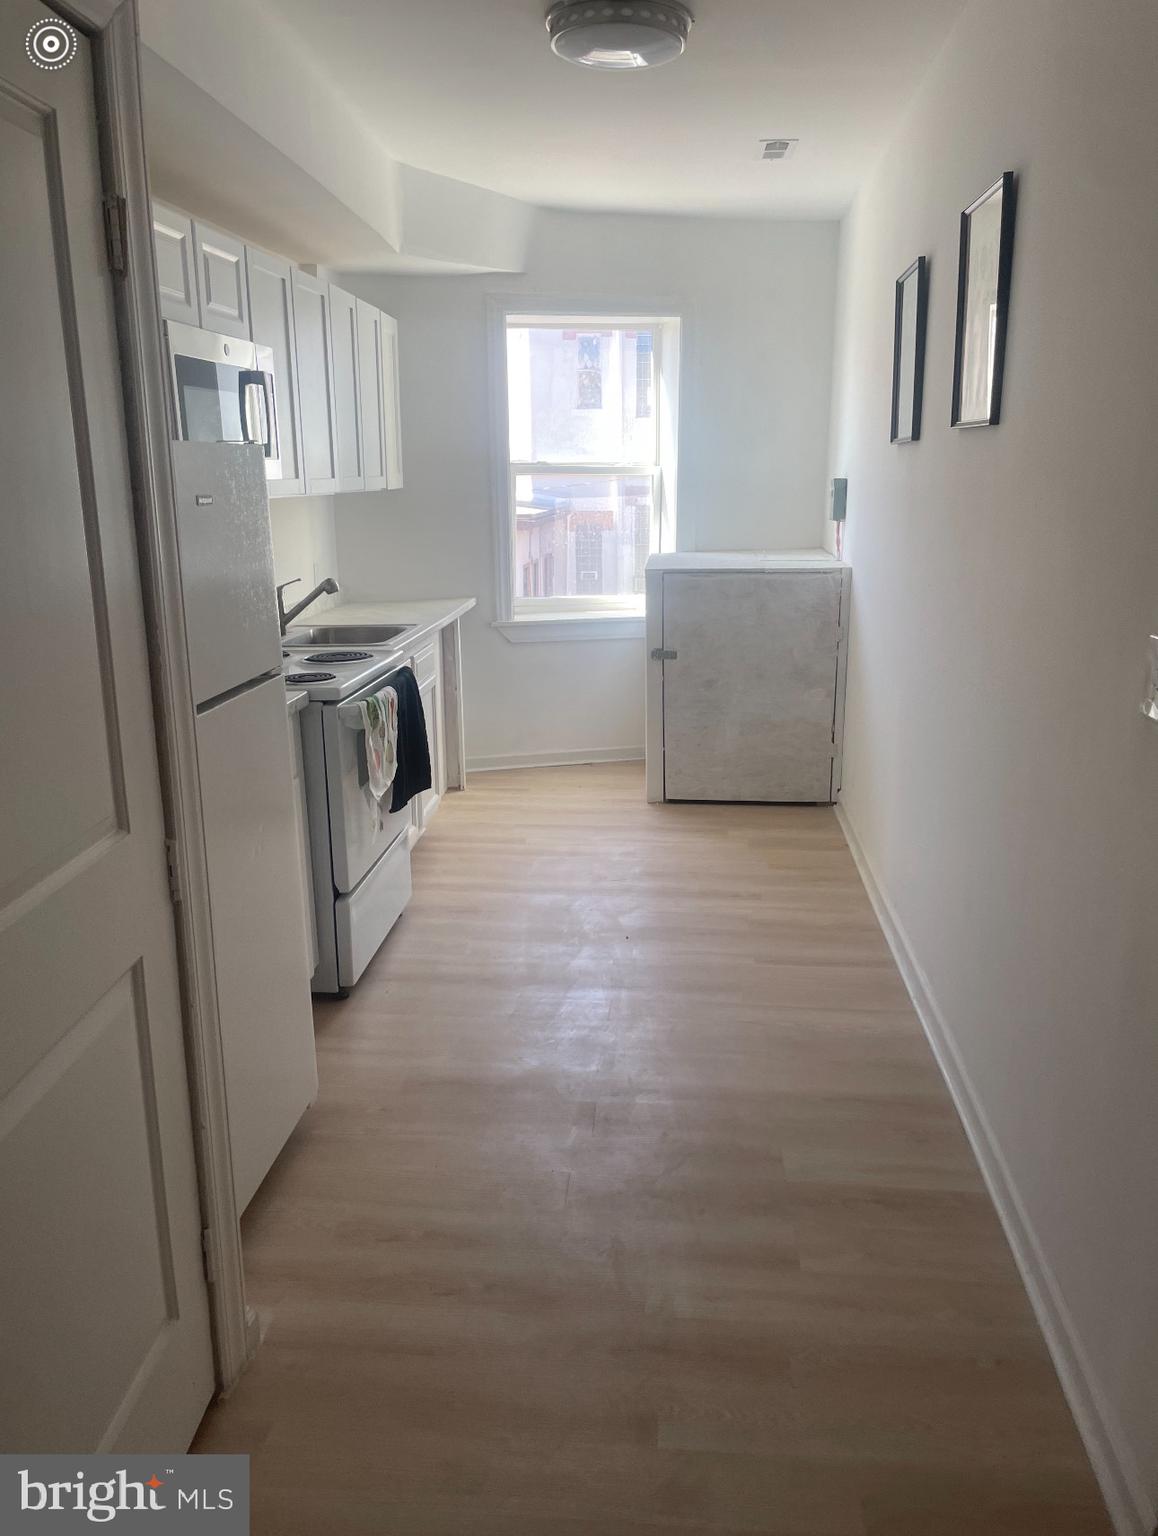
[620, 35]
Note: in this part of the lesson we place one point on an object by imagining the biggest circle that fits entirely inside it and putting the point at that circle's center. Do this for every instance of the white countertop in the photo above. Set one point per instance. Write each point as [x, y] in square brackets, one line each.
[748, 560]
[296, 698]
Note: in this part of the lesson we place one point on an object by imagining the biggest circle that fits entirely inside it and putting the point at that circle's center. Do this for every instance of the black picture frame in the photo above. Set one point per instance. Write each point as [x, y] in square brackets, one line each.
[908, 392]
[984, 273]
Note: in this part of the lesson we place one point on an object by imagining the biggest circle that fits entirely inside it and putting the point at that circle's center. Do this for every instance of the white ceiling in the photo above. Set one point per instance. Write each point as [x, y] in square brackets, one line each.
[470, 89]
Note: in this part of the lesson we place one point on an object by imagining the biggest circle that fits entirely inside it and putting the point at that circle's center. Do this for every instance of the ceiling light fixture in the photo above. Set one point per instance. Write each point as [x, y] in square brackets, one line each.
[603, 35]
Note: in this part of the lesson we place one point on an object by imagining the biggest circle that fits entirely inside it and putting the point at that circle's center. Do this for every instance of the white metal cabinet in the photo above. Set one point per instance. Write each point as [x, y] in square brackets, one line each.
[392, 403]
[311, 299]
[271, 318]
[251, 837]
[176, 265]
[347, 412]
[745, 684]
[372, 395]
[221, 283]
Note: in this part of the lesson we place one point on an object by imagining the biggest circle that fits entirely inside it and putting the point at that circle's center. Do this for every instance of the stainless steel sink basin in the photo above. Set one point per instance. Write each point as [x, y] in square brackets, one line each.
[308, 636]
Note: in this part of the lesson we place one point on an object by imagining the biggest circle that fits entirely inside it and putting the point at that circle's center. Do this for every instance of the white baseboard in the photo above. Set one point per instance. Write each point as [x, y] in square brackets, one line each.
[554, 759]
[1114, 1465]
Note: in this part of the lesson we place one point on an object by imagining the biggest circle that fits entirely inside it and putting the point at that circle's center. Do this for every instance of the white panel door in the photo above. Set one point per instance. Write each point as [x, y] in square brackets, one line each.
[271, 319]
[315, 383]
[372, 395]
[750, 696]
[176, 265]
[392, 409]
[347, 411]
[104, 1339]
[221, 281]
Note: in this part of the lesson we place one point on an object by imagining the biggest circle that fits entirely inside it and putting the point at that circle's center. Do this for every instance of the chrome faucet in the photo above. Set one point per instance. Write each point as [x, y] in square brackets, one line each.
[286, 616]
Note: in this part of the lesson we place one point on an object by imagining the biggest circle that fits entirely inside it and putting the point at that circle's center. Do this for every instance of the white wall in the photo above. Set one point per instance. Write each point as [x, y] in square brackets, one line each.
[304, 544]
[757, 302]
[998, 776]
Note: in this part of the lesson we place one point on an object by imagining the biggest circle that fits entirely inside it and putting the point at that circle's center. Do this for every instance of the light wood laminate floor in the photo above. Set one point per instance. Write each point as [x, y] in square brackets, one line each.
[633, 1201]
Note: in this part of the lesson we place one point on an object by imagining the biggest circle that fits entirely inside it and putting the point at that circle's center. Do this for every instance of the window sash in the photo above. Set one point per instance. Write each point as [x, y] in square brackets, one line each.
[591, 323]
[610, 603]
[664, 323]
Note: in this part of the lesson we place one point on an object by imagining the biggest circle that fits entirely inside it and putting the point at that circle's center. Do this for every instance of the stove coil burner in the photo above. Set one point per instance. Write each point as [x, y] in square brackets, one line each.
[335, 656]
[310, 677]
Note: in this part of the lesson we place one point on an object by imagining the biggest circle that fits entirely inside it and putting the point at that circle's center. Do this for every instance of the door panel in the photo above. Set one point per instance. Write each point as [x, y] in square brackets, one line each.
[105, 1343]
[749, 698]
[315, 383]
[372, 395]
[392, 409]
[221, 281]
[348, 425]
[176, 265]
[271, 317]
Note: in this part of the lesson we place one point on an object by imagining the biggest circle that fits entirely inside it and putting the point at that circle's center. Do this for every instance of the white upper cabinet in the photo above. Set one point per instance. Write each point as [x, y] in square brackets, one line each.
[315, 383]
[335, 357]
[271, 316]
[347, 413]
[393, 404]
[221, 281]
[372, 390]
[176, 265]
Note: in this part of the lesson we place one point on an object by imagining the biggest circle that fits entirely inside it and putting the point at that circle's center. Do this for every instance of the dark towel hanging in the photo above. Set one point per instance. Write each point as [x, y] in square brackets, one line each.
[413, 772]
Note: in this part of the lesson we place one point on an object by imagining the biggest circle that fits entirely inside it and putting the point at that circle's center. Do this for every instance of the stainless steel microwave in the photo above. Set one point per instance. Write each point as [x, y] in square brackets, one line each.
[223, 391]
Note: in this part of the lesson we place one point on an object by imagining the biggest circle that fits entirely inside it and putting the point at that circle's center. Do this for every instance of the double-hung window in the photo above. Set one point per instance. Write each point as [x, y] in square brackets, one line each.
[590, 464]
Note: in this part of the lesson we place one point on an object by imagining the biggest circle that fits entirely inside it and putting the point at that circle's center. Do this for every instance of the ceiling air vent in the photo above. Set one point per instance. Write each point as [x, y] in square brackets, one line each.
[777, 149]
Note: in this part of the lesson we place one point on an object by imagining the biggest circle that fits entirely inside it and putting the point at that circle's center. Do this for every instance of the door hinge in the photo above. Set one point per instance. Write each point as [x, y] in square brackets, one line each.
[208, 1255]
[116, 231]
[176, 872]
[659, 654]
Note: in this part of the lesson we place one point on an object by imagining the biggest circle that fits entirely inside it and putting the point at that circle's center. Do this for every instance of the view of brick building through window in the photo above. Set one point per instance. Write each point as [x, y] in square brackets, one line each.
[584, 451]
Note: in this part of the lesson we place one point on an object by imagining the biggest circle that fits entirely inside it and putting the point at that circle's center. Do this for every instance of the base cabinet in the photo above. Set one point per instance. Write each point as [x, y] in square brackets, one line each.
[305, 858]
[427, 666]
[745, 680]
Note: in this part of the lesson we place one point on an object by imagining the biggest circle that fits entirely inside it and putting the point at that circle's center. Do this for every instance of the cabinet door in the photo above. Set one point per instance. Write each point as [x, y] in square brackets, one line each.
[305, 858]
[347, 415]
[221, 281]
[392, 406]
[372, 380]
[749, 695]
[271, 315]
[176, 265]
[423, 806]
[315, 383]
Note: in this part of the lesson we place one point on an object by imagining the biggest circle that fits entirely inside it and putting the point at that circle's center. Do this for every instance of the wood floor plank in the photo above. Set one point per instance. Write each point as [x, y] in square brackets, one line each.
[633, 1202]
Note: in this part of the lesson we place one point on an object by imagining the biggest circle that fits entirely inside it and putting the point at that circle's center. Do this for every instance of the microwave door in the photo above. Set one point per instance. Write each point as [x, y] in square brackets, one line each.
[208, 405]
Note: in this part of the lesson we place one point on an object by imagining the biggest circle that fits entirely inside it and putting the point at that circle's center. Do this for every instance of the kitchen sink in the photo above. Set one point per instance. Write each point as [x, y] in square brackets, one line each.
[308, 636]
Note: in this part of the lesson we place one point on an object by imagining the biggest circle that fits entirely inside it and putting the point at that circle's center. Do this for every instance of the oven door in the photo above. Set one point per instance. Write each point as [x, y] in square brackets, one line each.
[362, 829]
[223, 392]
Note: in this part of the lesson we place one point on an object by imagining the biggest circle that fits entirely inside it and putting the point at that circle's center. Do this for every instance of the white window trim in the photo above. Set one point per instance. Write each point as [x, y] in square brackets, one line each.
[575, 618]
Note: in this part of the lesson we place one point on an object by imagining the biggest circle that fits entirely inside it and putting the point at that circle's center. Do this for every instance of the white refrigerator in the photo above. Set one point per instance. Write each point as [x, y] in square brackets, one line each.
[251, 830]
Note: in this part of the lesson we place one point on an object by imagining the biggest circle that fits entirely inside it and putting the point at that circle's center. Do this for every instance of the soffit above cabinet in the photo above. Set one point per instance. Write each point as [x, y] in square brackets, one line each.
[337, 201]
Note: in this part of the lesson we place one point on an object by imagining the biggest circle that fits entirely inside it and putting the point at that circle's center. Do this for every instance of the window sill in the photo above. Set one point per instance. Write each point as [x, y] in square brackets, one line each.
[578, 626]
